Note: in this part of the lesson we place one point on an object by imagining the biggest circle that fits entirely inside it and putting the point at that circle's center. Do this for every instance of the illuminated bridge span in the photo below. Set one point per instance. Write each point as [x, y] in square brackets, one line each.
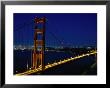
[56, 63]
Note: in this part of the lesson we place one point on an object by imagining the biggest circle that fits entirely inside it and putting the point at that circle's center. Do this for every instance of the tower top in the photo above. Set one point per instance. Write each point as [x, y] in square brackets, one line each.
[39, 20]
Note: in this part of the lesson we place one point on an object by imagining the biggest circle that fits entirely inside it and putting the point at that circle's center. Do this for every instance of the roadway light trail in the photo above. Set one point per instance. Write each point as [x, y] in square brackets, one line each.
[56, 63]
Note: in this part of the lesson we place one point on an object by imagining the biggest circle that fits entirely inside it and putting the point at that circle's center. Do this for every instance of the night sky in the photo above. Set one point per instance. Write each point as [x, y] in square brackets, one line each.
[70, 29]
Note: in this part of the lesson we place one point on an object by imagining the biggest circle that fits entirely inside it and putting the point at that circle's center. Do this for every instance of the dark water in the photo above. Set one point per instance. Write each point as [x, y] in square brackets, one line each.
[21, 58]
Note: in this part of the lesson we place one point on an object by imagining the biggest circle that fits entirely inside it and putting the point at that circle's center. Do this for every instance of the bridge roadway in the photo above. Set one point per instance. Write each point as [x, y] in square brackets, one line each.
[56, 63]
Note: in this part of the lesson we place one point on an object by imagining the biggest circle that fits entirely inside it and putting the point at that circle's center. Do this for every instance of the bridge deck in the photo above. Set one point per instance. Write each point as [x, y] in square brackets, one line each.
[56, 63]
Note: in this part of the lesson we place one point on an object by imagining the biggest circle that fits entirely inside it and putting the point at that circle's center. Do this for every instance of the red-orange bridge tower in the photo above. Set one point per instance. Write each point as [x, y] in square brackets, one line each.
[39, 43]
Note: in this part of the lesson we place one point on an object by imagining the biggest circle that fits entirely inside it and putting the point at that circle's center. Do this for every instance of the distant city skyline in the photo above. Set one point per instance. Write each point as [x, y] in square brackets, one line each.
[69, 29]
[21, 47]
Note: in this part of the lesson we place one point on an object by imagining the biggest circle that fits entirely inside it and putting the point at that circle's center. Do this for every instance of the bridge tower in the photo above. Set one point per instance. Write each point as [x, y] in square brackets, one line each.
[39, 43]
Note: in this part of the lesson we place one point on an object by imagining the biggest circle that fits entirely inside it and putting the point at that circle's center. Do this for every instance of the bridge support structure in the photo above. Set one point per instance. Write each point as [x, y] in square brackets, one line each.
[39, 44]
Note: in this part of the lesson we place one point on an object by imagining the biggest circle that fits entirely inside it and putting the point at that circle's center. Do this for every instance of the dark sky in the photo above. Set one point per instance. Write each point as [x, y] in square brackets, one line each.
[72, 29]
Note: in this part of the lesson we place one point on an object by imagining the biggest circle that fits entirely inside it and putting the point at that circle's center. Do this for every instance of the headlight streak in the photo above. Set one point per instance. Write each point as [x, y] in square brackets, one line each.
[49, 65]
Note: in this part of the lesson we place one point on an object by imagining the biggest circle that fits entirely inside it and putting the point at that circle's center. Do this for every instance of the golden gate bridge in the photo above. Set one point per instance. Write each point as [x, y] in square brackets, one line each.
[37, 58]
